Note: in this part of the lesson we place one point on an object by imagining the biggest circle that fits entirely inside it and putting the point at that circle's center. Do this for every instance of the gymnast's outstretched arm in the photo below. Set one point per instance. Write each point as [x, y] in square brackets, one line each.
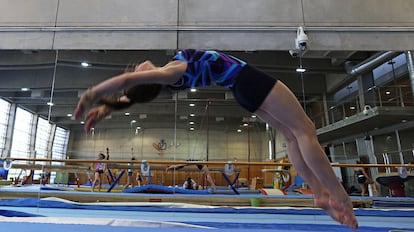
[145, 73]
[210, 180]
[165, 75]
[177, 166]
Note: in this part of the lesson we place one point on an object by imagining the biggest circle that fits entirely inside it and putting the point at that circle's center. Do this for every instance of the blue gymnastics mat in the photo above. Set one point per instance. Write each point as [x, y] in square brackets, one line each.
[153, 188]
[30, 214]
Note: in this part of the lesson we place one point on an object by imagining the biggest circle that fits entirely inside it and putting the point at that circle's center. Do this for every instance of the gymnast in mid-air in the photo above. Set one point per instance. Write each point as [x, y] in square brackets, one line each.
[265, 96]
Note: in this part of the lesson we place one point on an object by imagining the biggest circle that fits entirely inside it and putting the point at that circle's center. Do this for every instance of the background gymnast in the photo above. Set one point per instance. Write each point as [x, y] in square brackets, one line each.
[99, 168]
[270, 99]
[364, 180]
[130, 173]
[202, 167]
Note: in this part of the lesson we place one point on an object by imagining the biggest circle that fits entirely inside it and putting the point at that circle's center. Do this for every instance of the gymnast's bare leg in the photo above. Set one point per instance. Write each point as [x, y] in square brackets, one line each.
[204, 169]
[98, 180]
[319, 191]
[209, 178]
[282, 111]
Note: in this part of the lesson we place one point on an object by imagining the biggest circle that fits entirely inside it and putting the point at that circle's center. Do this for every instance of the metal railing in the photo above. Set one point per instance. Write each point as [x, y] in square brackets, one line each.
[401, 96]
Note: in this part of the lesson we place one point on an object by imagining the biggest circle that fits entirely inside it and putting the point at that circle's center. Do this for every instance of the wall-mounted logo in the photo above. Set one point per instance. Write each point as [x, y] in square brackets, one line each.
[160, 146]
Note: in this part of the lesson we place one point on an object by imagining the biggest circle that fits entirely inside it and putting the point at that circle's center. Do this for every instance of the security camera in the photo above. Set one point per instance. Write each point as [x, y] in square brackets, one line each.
[302, 39]
[294, 53]
[367, 109]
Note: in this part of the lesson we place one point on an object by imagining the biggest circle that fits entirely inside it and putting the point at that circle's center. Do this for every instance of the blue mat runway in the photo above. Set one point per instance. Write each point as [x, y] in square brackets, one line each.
[31, 214]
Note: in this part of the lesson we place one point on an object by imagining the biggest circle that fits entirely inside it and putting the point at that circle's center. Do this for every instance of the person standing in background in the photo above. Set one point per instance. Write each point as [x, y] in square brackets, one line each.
[99, 168]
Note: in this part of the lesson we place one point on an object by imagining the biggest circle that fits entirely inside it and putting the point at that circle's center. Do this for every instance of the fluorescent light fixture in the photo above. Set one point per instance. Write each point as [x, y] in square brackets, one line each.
[352, 107]
[24, 89]
[191, 128]
[82, 122]
[239, 130]
[69, 115]
[219, 119]
[50, 104]
[127, 113]
[387, 92]
[191, 123]
[85, 64]
[300, 70]
[192, 115]
[193, 90]
[191, 104]
[245, 124]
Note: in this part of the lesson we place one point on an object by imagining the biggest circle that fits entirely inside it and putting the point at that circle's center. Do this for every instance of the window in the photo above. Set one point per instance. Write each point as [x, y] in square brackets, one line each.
[59, 148]
[21, 134]
[41, 145]
[4, 119]
[60, 144]
[42, 137]
[21, 140]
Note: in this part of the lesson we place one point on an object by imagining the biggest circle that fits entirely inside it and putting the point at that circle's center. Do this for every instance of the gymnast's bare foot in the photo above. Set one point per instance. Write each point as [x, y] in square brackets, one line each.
[214, 188]
[340, 211]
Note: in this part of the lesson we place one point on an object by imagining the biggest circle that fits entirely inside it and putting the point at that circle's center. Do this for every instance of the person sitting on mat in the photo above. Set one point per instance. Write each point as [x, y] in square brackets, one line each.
[268, 98]
[202, 167]
[190, 184]
[99, 168]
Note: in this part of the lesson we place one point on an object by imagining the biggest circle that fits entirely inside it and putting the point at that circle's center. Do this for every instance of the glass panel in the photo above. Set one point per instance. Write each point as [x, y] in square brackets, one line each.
[59, 149]
[22, 134]
[407, 144]
[59, 146]
[21, 140]
[41, 145]
[42, 139]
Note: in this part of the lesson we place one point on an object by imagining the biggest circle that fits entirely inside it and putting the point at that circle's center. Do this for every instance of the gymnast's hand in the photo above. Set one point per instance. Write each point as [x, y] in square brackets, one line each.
[86, 100]
[95, 115]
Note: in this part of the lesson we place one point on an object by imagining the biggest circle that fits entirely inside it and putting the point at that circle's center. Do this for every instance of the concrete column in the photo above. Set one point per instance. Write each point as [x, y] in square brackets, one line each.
[369, 146]
[361, 94]
[32, 146]
[332, 153]
[9, 132]
[326, 110]
[365, 82]
[50, 142]
[410, 63]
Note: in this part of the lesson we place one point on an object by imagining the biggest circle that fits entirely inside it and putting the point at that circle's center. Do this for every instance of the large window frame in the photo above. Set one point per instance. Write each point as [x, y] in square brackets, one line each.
[21, 140]
[4, 124]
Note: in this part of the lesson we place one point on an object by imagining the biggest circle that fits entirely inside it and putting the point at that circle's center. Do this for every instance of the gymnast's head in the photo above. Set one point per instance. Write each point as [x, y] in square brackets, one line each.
[137, 94]
[101, 156]
[143, 93]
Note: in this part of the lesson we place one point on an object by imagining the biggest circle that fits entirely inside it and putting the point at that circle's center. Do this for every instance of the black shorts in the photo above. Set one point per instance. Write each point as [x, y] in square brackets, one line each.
[99, 171]
[200, 166]
[361, 179]
[252, 87]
